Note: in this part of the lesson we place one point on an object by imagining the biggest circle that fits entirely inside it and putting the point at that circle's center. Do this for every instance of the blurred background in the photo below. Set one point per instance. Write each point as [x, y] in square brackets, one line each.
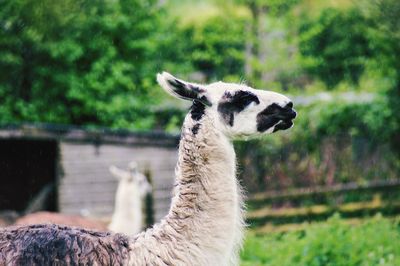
[78, 94]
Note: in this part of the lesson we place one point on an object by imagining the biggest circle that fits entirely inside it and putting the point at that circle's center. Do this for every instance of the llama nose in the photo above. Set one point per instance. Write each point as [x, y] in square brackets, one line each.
[292, 114]
[289, 112]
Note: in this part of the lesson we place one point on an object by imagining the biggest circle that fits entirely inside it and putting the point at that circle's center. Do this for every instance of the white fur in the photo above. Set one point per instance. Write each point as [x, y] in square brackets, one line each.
[132, 188]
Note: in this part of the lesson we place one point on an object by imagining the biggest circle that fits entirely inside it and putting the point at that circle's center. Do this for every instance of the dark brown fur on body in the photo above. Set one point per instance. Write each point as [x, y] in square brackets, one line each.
[49, 244]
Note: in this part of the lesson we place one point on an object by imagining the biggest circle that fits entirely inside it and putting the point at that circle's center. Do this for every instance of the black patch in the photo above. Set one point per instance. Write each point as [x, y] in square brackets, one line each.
[181, 89]
[265, 123]
[195, 129]
[272, 109]
[197, 110]
[203, 99]
[275, 115]
[283, 125]
[231, 104]
[230, 118]
[188, 91]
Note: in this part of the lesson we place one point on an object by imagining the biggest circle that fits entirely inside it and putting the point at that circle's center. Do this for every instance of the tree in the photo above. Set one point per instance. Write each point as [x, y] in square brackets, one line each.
[258, 36]
[79, 62]
[385, 40]
[216, 47]
[335, 46]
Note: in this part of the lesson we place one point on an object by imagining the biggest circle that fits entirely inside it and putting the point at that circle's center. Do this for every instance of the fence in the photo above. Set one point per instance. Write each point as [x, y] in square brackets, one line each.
[314, 204]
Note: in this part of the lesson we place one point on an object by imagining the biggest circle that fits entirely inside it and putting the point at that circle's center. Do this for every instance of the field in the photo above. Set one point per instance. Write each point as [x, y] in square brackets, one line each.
[373, 241]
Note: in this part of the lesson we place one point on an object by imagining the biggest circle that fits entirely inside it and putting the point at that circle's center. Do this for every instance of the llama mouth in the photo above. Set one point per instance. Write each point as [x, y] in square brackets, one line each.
[283, 125]
[286, 121]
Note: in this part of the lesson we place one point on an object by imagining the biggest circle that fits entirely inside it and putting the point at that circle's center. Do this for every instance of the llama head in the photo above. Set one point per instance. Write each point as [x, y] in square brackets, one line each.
[131, 180]
[239, 110]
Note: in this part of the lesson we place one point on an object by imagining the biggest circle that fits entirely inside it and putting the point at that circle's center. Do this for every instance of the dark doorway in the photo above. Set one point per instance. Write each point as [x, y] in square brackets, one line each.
[28, 170]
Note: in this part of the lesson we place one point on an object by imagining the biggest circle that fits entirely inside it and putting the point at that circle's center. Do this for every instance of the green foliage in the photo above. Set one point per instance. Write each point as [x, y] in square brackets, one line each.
[385, 39]
[374, 242]
[216, 46]
[335, 45]
[79, 62]
[374, 121]
[275, 7]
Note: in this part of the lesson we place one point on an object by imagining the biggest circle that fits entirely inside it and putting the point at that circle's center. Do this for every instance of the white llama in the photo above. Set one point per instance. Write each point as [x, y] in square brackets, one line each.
[205, 223]
[131, 191]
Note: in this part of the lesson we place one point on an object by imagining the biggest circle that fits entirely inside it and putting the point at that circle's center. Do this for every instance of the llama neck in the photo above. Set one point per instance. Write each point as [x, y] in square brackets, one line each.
[206, 208]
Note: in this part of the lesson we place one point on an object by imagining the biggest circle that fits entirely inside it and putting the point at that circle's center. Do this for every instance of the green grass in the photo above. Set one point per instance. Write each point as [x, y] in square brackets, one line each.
[375, 241]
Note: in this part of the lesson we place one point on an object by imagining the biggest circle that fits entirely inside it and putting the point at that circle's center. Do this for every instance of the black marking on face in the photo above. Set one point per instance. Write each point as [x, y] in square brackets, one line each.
[264, 123]
[203, 99]
[275, 115]
[195, 129]
[283, 125]
[197, 110]
[188, 91]
[231, 104]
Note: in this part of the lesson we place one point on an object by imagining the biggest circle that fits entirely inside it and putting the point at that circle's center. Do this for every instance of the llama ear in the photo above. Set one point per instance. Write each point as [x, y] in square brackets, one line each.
[183, 89]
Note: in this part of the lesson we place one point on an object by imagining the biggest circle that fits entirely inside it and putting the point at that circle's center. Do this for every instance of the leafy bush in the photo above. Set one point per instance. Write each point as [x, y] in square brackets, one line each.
[374, 242]
[80, 62]
[385, 38]
[216, 46]
[335, 45]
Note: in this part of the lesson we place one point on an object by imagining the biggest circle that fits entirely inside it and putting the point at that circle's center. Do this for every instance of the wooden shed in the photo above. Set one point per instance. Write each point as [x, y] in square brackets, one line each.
[66, 168]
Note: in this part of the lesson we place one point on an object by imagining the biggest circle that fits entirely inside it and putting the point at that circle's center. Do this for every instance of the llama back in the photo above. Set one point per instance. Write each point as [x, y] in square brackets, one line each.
[49, 244]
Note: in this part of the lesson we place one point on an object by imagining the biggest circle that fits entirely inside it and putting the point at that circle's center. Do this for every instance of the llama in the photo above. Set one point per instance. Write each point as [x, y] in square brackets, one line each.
[131, 190]
[205, 224]
[127, 216]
